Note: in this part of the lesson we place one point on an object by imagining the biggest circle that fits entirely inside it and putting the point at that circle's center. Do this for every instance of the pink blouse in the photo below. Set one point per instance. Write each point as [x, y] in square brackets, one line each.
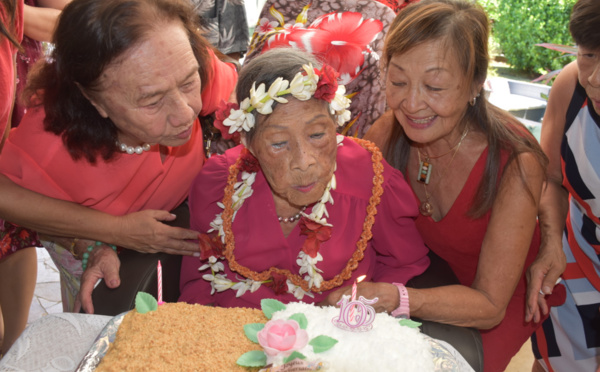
[396, 252]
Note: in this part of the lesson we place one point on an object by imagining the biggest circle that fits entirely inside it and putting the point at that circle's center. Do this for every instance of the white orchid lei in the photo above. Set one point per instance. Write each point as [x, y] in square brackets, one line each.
[322, 85]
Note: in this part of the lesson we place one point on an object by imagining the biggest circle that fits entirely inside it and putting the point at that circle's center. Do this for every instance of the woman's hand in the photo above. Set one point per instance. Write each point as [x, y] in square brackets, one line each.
[542, 275]
[144, 232]
[387, 294]
[103, 263]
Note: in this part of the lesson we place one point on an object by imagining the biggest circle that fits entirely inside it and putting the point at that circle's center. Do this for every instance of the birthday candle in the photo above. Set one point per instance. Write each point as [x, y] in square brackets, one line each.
[159, 276]
[354, 290]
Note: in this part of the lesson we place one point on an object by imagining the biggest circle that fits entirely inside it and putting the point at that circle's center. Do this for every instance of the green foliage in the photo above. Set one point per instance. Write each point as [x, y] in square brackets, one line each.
[518, 25]
[251, 331]
[254, 358]
[145, 302]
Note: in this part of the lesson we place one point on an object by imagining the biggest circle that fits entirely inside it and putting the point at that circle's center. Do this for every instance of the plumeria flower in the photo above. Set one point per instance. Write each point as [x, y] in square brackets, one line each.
[218, 282]
[297, 291]
[214, 265]
[246, 285]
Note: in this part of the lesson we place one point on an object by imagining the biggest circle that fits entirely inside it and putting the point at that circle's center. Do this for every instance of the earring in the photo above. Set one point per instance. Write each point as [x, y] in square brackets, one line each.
[474, 100]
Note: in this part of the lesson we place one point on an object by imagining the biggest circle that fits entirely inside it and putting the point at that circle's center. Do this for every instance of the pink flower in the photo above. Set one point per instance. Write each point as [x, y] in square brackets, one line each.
[264, 26]
[282, 337]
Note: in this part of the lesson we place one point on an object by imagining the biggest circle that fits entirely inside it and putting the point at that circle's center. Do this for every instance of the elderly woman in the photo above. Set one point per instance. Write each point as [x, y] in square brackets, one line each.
[570, 215]
[297, 211]
[475, 171]
[113, 121]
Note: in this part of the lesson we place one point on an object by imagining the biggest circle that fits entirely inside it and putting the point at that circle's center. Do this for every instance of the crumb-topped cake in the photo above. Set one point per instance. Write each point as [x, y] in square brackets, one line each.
[283, 338]
[181, 337]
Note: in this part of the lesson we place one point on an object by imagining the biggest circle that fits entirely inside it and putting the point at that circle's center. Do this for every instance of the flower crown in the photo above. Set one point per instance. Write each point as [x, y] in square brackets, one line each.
[322, 84]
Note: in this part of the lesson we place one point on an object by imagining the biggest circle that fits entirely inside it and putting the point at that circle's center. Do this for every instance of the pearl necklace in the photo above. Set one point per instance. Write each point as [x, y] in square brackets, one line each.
[133, 149]
[293, 218]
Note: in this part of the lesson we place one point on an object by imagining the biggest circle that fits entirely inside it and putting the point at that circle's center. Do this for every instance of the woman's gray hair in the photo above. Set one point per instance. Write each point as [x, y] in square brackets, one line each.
[266, 68]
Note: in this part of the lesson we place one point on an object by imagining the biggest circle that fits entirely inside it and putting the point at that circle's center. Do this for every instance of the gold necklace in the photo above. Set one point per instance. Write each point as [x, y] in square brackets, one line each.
[426, 208]
[425, 167]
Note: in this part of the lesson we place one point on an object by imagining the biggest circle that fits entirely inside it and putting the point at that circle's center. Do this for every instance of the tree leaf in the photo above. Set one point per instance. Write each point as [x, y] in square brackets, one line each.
[269, 306]
[301, 319]
[145, 302]
[252, 329]
[294, 355]
[254, 358]
[322, 343]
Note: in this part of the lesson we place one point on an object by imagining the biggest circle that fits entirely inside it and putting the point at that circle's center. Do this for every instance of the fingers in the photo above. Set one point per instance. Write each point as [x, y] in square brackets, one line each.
[85, 292]
[161, 215]
[551, 280]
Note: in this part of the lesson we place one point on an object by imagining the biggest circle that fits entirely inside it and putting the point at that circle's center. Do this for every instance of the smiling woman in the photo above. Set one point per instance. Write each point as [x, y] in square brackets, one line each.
[112, 123]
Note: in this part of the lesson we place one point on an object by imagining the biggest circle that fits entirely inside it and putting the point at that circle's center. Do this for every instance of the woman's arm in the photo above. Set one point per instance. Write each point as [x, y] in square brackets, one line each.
[142, 231]
[40, 21]
[500, 267]
[551, 262]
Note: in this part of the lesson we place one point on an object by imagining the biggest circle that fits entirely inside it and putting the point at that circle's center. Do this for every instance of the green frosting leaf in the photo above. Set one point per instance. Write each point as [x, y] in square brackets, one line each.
[322, 343]
[409, 323]
[145, 302]
[254, 358]
[269, 306]
[294, 355]
[301, 319]
[252, 329]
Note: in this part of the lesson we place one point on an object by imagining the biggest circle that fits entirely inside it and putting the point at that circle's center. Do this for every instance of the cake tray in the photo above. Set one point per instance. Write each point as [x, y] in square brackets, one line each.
[445, 357]
[100, 346]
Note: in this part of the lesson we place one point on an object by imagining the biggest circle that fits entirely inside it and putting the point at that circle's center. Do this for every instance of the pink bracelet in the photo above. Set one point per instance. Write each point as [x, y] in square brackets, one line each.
[403, 311]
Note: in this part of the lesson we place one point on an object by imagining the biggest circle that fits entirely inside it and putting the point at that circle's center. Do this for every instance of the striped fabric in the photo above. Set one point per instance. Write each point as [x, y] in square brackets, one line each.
[569, 339]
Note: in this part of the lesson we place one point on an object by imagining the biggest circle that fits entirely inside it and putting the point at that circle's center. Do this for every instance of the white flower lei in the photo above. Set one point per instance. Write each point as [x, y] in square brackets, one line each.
[303, 87]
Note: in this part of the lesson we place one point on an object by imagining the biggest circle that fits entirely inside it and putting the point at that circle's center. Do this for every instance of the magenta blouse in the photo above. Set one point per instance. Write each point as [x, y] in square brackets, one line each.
[396, 252]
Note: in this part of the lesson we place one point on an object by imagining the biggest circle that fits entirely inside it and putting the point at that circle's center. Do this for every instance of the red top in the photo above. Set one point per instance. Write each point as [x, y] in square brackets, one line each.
[395, 253]
[457, 239]
[7, 67]
[38, 160]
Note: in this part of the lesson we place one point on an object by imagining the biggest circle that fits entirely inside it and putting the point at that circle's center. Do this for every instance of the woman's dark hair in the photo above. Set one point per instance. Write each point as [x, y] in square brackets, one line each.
[10, 8]
[266, 68]
[585, 23]
[90, 35]
[463, 29]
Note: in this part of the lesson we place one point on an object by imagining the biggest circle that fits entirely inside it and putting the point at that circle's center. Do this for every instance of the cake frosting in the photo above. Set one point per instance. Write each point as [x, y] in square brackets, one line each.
[387, 346]
[280, 338]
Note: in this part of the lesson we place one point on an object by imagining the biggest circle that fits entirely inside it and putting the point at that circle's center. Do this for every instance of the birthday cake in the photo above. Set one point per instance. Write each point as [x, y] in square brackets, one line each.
[296, 336]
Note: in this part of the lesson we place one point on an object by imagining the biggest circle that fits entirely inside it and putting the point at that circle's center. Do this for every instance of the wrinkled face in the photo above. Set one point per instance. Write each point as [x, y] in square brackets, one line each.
[296, 147]
[152, 92]
[426, 89]
[588, 62]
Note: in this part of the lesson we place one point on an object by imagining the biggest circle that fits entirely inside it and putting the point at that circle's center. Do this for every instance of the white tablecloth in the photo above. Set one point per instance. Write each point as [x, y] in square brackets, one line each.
[55, 342]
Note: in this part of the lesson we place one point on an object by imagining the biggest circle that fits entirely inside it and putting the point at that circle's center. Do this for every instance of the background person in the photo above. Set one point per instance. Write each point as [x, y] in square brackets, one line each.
[570, 338]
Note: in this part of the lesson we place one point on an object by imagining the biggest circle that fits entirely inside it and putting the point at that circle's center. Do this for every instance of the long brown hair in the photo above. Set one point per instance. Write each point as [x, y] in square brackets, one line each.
[10, 8]
[463, 28]
[90, 35]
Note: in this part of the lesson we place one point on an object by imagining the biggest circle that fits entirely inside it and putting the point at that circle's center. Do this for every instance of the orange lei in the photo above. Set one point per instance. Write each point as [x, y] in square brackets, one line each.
[296, 279]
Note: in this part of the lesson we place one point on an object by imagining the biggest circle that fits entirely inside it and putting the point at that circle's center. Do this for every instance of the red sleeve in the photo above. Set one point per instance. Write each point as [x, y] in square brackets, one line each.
[220, 87]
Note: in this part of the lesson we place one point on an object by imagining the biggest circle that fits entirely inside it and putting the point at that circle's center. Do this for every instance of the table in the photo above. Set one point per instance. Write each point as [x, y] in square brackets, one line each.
[55, 342]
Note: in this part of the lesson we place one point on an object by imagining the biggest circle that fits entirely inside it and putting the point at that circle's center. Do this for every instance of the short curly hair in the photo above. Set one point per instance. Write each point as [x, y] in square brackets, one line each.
[90, 35]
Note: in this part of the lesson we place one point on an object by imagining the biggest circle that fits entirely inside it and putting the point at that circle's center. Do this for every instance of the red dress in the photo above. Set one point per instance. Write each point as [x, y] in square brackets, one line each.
[457, 239]
[7, 64]
[395, 253]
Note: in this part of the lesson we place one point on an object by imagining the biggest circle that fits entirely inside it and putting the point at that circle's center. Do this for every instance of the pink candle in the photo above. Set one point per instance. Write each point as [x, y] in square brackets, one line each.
[353, 298]
[159, 276]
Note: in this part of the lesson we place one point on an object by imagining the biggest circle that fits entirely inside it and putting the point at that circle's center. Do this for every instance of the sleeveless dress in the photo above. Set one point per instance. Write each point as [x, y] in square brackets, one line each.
[457, 238]
[569, 339]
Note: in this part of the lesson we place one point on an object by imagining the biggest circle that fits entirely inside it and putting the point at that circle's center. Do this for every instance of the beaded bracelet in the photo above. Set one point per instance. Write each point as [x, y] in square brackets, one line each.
[90, 248]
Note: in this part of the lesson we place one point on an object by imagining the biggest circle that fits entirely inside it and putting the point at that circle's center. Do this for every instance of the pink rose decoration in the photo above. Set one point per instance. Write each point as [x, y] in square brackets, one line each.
[282, 336]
